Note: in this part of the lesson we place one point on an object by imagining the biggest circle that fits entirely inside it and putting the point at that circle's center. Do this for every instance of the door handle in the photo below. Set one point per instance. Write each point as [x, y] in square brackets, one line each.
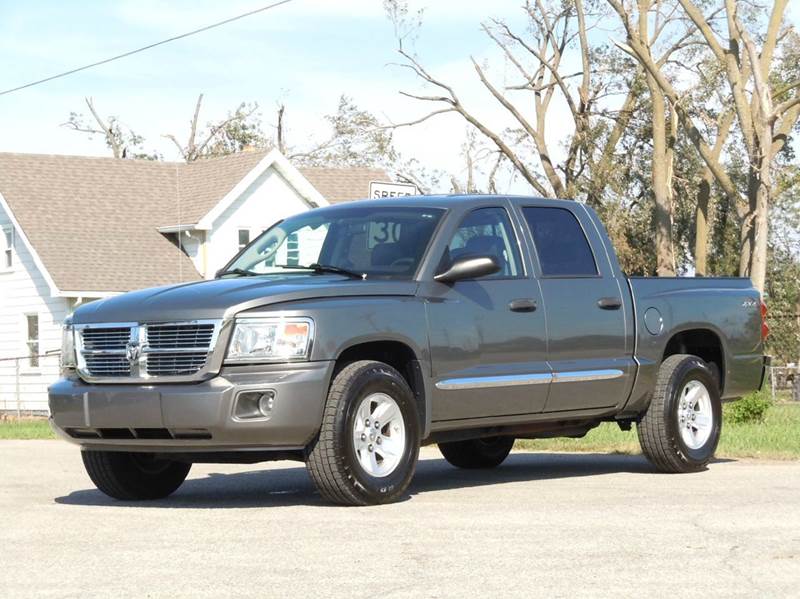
[609, 303]
[522, 305]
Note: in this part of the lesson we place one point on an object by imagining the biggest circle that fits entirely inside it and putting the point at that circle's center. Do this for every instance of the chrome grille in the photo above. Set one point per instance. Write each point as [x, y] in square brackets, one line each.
[133, 351]
[177, 336]
[171, 364]
[108, 365]
[106, 339]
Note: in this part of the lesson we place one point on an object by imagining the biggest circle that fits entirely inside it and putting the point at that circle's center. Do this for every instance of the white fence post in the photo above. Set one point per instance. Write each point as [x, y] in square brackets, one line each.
[16, 383]
[772, 382]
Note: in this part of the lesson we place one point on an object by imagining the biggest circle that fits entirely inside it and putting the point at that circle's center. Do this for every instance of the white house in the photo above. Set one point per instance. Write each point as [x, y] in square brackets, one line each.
[76, 229]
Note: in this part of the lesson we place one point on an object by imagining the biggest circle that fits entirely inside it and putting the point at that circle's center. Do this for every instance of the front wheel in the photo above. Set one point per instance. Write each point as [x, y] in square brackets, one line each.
[477, 453]
[681, 428]
[131, 476]
[367, 448]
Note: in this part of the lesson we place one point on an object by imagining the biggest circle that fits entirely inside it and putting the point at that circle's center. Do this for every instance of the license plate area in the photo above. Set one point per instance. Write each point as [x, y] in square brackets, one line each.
[140, 408]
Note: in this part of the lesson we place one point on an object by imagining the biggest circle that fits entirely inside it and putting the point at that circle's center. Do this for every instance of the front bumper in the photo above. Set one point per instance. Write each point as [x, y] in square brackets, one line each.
[193, 416]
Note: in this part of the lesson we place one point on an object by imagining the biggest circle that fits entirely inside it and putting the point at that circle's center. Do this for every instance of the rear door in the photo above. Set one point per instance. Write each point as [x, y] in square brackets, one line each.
[586, 306]
[487, 336]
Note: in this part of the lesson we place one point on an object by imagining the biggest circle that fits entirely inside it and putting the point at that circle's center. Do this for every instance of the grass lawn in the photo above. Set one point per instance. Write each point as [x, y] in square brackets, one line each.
[26, 428]
[777, 437]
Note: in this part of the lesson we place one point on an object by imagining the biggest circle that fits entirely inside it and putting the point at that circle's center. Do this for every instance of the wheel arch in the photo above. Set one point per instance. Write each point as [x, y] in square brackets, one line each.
[702, 342]
[400, 356]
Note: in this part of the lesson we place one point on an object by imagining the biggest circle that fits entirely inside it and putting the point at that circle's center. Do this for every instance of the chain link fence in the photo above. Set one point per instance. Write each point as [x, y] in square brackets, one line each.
[24, 381]
[783, 344]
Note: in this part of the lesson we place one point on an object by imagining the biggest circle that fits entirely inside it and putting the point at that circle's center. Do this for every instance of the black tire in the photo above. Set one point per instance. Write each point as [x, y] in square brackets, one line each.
[130, 476]
[659, 432]
[477, 453]
[331, 458]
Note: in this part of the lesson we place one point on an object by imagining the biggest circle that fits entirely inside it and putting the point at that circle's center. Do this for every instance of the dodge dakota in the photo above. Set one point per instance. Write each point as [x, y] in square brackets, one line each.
[348, 336]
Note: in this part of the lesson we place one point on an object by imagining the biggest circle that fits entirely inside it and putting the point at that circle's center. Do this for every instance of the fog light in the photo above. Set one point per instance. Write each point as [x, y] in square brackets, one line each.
[254, 404]
[265, 403]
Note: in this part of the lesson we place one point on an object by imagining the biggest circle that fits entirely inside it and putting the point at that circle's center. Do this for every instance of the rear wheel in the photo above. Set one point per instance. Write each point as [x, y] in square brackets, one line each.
[681, 428]
[131, 476]
[477, 453]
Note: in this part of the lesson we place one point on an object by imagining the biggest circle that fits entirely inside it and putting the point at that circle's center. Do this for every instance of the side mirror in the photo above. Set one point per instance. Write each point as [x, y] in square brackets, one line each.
[469, 267]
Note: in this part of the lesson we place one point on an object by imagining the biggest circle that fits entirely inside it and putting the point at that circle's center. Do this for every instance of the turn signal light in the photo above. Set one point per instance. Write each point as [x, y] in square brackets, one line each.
[764, 325]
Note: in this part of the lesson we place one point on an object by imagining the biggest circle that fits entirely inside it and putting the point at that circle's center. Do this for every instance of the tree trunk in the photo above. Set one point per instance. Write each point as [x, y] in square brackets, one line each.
[665, 260]
[758, 262]
[661, 162]
[281, 142]
[747, 216]
[701, 225]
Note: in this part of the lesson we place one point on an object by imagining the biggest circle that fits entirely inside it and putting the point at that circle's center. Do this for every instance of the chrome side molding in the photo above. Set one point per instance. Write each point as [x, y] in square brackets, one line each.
[482, 382]
[513, 380]
[586, 375]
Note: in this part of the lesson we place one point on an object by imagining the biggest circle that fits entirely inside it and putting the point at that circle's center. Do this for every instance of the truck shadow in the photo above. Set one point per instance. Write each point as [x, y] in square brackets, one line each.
[291, 486]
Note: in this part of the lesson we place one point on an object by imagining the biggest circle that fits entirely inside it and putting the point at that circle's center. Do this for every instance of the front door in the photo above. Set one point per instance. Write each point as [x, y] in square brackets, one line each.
[487, 336]
[587, 312]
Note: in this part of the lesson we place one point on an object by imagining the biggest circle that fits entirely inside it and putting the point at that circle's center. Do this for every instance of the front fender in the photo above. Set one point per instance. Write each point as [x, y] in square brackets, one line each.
[343, 322]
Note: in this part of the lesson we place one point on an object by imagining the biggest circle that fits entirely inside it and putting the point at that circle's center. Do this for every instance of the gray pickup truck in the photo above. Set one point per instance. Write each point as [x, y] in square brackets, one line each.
[348, 336]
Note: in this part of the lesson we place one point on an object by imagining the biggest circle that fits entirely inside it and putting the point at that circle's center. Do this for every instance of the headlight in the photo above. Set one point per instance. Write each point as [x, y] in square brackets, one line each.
[68, 357]
[271, 339]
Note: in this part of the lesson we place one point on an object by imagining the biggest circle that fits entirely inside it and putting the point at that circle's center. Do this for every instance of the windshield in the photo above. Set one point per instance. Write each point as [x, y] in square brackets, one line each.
[380, 242]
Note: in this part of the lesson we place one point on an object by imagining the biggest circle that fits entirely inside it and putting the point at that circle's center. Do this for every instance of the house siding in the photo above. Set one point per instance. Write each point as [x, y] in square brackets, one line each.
[23, 291]
[269, 199]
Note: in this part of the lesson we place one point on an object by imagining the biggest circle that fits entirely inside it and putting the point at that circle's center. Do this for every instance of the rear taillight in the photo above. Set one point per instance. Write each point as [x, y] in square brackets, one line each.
[764, 325]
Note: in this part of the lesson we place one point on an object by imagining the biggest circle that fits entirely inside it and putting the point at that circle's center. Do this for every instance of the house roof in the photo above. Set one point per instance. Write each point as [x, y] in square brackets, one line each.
[203, 183]
[343, 184]
[93, 222]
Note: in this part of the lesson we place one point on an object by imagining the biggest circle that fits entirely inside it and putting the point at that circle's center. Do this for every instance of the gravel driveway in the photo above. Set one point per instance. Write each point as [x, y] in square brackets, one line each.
[540, 525]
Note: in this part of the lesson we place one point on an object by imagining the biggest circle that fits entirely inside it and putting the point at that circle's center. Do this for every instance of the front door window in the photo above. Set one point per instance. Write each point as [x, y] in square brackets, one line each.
[486, 232]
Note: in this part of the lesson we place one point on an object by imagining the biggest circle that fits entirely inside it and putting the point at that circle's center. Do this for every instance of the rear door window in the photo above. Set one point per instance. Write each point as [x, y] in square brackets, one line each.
[560, 242]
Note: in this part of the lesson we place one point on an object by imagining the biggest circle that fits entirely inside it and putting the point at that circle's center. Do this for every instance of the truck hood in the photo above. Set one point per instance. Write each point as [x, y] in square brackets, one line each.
[223, 298]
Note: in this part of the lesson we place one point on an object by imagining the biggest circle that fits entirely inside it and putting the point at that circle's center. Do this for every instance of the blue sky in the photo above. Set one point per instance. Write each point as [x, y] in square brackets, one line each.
[305, 54]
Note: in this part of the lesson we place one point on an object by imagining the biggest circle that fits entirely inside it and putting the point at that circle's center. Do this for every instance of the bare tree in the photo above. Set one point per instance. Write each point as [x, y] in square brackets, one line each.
[723, 127]
[764, 125]
[539, 62]
[122, 141]
[663, 133]
[537, 57]
[239, 130]
[356, 138]
[280, 132]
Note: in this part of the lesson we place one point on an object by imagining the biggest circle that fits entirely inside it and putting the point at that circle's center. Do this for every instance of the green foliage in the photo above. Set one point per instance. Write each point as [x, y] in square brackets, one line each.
[356, 138]
[751, 408]
[241, 130]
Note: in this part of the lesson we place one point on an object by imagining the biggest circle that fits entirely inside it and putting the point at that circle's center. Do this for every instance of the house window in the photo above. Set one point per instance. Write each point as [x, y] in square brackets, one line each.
[7, 244]
[33, 339]
[244, 238]
[293, 249]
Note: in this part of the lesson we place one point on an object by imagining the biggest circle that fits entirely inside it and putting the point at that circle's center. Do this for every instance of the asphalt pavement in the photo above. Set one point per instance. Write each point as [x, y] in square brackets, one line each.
[552, 525]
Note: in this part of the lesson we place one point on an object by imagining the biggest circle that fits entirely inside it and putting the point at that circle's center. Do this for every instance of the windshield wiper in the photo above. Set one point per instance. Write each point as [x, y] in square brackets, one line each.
[320, 268]
[238, 271]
